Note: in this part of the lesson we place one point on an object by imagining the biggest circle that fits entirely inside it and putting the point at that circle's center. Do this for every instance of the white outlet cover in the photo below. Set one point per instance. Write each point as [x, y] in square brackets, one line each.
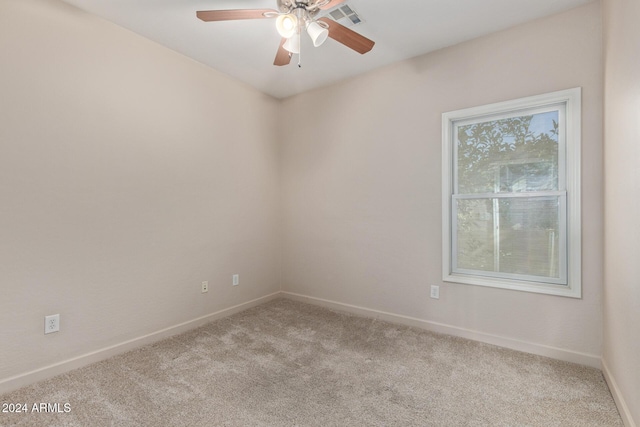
[236, 279]
[51, 323]
[205, 287]
[435, 292]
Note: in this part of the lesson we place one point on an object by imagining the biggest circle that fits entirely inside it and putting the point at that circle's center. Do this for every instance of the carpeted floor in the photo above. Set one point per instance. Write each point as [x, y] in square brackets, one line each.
[285, 363]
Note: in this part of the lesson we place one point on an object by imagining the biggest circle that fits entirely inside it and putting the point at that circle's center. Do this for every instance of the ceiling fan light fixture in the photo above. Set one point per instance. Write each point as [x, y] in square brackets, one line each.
[317, 33]
[287, 25]
[293, 44]
[293, 17]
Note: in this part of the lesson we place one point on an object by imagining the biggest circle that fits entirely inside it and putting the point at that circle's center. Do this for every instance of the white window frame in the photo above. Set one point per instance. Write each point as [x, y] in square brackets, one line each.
[568, 103]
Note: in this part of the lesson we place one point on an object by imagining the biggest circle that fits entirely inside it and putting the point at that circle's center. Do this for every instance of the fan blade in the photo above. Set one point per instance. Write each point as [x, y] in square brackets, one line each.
[231, 15]
[348, 37]
[331, 4]
[283, 57]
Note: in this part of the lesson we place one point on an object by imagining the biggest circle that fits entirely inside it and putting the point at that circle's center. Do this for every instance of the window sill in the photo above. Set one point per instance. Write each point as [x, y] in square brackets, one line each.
[516, 285]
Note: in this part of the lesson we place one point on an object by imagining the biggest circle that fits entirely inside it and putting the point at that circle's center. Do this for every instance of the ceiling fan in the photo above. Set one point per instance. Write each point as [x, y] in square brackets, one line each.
[292, 18]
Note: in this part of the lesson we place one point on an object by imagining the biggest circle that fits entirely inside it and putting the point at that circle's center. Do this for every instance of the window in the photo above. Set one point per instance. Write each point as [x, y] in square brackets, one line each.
[511, 194]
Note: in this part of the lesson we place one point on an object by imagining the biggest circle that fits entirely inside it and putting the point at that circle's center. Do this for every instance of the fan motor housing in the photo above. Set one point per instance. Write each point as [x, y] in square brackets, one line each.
[286, 6]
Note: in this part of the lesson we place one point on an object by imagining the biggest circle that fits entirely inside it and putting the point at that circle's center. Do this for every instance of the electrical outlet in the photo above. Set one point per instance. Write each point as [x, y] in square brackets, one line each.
[205, 287]
[51, 323]
[435, 292]
[236, 279]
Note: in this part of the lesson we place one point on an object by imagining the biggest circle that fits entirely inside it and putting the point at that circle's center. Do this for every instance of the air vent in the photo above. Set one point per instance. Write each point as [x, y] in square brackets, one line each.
[345, 15]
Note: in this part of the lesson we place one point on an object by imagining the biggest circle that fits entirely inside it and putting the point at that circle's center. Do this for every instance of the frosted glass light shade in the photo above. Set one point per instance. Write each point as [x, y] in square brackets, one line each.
[292, 44]
[317, 33]
[287, 25]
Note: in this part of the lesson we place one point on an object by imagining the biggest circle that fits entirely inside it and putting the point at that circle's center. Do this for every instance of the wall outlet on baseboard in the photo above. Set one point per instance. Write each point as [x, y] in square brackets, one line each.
[435, 292]
[236, 279]
[205, 287]
[51, 323]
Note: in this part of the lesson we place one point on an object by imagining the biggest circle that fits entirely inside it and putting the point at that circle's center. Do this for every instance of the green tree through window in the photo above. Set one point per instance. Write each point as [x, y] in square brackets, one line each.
[512, 155]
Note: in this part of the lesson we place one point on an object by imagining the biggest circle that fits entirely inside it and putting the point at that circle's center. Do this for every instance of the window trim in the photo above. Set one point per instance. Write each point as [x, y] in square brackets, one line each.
[572, 100]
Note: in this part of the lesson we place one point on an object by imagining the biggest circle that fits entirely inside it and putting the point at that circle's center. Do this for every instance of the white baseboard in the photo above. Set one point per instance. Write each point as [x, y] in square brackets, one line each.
[514, 344]
[623, 409]
[22, 380]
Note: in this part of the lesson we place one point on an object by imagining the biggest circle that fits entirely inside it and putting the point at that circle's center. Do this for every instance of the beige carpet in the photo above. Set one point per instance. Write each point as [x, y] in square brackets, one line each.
[291, 364]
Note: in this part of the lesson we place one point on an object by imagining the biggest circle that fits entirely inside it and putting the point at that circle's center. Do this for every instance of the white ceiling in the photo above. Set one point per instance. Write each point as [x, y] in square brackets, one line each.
[246, 49]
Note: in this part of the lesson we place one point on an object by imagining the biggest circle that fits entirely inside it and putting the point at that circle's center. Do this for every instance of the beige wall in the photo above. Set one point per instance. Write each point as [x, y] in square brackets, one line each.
[128, 175]
[622, 206]
[362, 183]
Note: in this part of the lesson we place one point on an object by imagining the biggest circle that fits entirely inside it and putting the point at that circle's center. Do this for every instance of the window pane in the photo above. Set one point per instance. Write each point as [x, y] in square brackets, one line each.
[509, 155]
[517, 235]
